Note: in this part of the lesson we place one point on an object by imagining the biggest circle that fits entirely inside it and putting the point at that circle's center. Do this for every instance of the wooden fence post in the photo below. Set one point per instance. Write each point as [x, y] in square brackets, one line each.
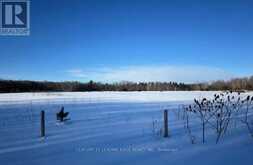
[166, 130]
[42, 124]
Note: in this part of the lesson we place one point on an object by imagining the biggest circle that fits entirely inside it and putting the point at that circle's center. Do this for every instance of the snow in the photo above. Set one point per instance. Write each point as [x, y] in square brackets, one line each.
[103, 96]
[109, 128]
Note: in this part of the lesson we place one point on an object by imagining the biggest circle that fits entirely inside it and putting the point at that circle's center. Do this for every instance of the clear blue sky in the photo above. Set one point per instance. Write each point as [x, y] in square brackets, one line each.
[132, 40]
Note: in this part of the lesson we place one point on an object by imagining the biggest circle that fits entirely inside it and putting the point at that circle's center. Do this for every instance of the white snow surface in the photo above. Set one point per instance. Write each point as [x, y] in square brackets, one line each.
[151, 96]
[111, 128]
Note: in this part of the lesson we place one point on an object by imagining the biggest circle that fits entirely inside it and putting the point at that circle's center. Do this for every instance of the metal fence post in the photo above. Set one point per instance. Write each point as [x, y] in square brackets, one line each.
[42, 124]
[166, 130]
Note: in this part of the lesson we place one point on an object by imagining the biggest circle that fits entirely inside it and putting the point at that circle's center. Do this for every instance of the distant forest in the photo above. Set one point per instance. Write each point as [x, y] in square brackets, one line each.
[8, 86]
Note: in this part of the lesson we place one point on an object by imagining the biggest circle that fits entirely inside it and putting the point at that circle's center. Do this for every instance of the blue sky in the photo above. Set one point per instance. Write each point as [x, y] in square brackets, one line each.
[141, 40]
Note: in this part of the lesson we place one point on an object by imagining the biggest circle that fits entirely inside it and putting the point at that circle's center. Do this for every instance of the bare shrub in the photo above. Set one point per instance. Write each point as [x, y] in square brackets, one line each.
[218, 113]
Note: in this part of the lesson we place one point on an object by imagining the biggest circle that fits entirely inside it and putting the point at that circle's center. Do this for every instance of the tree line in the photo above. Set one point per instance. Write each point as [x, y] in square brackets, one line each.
[8, 86]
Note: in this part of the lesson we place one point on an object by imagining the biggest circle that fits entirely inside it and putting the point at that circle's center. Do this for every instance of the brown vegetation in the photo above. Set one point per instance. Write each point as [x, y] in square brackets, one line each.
[6, 86]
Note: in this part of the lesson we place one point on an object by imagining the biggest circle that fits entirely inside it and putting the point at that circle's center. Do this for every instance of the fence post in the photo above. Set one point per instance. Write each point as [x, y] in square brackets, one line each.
[166, 130]
[42, 124]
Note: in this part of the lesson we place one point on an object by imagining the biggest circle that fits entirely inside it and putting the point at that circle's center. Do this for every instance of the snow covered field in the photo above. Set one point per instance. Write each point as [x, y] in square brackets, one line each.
[110, 128]
[102, 96]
